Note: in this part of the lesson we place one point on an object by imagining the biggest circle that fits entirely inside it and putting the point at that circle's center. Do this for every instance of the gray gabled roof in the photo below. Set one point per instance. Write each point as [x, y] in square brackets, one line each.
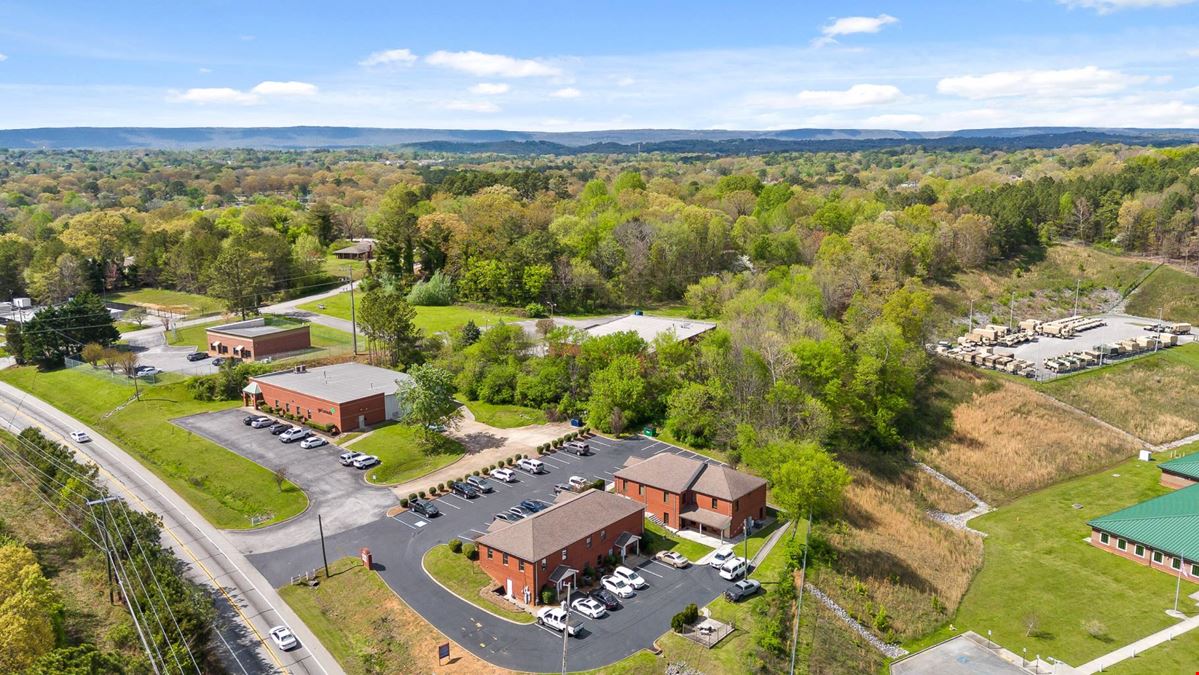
[677, 474]
[562, 524]
[725, 483]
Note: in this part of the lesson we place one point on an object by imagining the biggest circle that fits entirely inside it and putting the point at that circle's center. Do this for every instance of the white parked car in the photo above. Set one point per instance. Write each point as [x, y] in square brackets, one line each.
[617, 585]
[589, 607]
[720, 557]
[147, 371]
[80, 437]
[347, 458]
[531, 465]
[735, 568]
[294, 434]
[365, 462]
[577, 481]
[261, 423]
[284, 638]
[557, 619]
[506, 475]
[313, 442]
[672, 558]
[635, 580]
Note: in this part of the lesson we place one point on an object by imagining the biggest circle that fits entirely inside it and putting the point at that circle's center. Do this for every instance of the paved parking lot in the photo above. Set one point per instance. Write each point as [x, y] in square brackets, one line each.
[153, 350]
[398, 544]
[338, 493]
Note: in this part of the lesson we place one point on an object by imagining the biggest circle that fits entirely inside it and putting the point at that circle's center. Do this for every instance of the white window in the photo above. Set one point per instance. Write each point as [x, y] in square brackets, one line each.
[1157, 557]
[1104, 538]
[1121, 544]
[1175, 563]
[1139, 550]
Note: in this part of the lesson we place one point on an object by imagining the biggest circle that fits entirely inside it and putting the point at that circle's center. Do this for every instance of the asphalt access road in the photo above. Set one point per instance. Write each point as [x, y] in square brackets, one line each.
[398, 545]
[338, 493]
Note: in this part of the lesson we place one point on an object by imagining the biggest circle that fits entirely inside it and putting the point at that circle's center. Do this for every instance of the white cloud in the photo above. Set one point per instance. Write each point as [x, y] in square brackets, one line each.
[850, 25]
[204, 95]
[1086, 81]
[291, 88]
[402, 57]
[1108, 6]
[1193, 53]
[625, 82]
[489, 88]
[895, 121]
[856, 96]
[3, 57]
[491, 65]
[473, 106]
[567, 92]
[204, 71]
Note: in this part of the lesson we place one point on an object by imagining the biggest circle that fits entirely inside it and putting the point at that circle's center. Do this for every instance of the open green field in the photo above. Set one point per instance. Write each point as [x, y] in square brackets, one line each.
[465, 579]
[223, 486]
[323, 337]
[335, 267]
[177, 302]
[504, 416]
[1168, 291]
[657, 539]
[429, 319]
[1179, 656]
[1154, 397]
[1038, 566]
[403, 454]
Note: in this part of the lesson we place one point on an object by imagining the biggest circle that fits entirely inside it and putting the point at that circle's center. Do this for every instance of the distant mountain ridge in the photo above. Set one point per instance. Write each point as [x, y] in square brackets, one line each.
[569, 142]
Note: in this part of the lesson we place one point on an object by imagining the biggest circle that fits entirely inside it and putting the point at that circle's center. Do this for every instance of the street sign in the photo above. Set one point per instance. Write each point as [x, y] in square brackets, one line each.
[443, 652]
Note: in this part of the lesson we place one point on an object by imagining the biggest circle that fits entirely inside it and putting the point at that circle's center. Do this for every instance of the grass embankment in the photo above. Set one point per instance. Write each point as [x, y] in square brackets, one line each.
[503, 416]
[1154, 397]
[222, 485]
[1007, 440]
[322, 337]
[176, 302]
[657, 539]
[404, 454]
[429, 319]
[369, 629]
[465, 579]
[1168, 291]
[1040, 569]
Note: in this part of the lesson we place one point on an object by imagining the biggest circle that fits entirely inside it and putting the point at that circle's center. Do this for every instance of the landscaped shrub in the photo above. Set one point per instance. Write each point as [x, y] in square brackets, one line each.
[422, 494]
[437, 291]
[404, 503]
[470, 551]
[535, 310]
[319, 427]
[412, 496]
[549, 596]
[599, 484]
[455, 546]
[441, 487]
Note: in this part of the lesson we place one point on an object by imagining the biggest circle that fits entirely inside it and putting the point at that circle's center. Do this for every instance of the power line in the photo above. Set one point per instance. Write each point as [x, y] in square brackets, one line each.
[131, 604]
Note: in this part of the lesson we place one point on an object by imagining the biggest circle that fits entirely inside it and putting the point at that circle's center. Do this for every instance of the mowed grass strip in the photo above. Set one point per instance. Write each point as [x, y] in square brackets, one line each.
[224, 487]
[404, 454]
[177, 302]
[1008, 440]
[657, 538]
[369, 629]
[429, 319]
[466, 579]
[1154, 397]
[504, 416]
[1168, 291]
[1040, 571]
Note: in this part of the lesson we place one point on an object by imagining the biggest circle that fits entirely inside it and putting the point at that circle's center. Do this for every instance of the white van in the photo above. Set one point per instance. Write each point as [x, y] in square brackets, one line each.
[735, 568]
[531, 465]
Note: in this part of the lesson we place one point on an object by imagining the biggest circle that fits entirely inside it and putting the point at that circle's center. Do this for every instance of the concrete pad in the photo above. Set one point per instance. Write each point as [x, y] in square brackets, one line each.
[956, 656]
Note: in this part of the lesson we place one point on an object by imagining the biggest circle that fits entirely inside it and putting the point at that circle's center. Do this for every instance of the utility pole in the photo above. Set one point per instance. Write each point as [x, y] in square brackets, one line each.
[1077, 286]
[803, 580]
[566, 627]
[1011, 317]
[745, 536]
[971, 314]
[324, 557]
[103, 532]
[353, 314]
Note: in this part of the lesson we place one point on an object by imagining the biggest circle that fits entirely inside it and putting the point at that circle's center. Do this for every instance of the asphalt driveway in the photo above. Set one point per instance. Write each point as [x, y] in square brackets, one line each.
[338, 493]
[398, 545]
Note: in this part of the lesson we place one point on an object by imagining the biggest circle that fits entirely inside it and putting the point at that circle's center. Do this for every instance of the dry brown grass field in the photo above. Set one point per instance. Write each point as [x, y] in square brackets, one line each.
[892, 557]
[937, 495]
[1155, 398]
[1008, 440]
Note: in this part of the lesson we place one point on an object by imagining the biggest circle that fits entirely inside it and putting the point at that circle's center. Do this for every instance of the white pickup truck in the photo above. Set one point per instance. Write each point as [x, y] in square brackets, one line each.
[557, 619]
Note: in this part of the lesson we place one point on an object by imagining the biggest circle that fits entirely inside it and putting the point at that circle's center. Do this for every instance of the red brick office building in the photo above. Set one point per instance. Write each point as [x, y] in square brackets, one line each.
[346, 396]
[551, 548]
[686, 493]
[254, 339]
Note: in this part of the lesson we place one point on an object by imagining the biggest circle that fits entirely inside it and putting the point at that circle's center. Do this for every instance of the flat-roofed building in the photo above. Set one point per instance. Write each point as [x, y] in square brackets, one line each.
[650, 327]
[343, 396]
[255, 339]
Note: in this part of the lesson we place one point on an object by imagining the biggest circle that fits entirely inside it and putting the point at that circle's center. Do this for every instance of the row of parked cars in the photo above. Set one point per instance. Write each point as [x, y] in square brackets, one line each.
[621, 584]
[287, 433]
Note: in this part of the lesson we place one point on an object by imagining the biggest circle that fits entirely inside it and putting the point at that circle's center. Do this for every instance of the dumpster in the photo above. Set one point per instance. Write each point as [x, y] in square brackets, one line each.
[649, 431]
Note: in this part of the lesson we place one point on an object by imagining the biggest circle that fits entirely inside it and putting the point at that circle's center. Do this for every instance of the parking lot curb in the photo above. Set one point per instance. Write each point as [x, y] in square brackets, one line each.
[447, 590]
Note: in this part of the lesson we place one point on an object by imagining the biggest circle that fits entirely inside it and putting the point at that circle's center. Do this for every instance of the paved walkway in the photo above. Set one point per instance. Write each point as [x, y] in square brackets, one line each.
[1131, 650]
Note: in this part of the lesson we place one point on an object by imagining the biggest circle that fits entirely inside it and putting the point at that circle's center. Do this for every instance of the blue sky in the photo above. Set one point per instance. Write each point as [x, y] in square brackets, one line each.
[552, 66]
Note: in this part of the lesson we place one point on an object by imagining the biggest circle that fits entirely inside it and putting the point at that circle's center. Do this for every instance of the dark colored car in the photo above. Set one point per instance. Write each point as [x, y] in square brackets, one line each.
[533, 505]
[464, 489]
[248, 418]
[197, 356]
[424, 507]
[559, 487]
[279, 428]
[606, 598]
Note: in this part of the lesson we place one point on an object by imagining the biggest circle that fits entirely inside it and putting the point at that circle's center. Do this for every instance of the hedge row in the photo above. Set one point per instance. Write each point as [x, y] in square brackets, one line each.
[559, 442]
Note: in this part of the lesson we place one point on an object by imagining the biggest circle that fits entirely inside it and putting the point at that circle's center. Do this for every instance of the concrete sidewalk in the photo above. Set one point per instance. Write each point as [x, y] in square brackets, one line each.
[1131, 650]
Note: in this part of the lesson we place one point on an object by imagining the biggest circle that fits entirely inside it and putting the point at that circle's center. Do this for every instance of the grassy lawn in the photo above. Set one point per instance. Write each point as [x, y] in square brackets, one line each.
[402, 453]
[335, 267]
[1038, 564]
[429, 319]
[465, 579]
[1177, 656]
[323, 337]
[223, 486]
[1173, 293]
[177, 302]
[658, 539]
[505, 416]
[1155, 397]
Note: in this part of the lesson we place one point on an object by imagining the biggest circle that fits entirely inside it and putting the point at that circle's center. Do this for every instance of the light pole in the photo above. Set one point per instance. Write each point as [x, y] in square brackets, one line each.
[353, 314]
[565, 625]
[745, 535]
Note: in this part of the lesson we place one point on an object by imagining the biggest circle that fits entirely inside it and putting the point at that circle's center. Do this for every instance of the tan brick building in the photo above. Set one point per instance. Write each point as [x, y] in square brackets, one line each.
[346, 396]
[686, 493]
[551, 548]
[254, 339]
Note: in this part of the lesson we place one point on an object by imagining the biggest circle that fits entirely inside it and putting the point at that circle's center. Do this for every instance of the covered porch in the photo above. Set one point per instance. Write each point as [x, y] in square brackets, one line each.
[706, 522]
[625, 540]
[251, 395]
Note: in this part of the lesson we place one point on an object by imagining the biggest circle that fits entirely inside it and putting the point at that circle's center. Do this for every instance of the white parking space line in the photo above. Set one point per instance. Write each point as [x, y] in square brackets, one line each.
[642, 568]
[555, 462]
[445, 503]
[419, 523]
[461, 499]
[600, 478]
[548, 630]
[661, 564]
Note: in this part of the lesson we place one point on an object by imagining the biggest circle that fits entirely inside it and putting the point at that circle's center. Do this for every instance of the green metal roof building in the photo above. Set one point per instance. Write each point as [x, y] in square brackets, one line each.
[1186, 466]
[1168, 524]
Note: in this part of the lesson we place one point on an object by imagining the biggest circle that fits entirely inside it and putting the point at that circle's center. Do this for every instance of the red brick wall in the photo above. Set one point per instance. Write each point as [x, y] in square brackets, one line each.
[1174, 481]
[227, 344]
[291, 340]
[1129, 553]
[343, 416]
[664, 505]
[578, 555]
[752, 505]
